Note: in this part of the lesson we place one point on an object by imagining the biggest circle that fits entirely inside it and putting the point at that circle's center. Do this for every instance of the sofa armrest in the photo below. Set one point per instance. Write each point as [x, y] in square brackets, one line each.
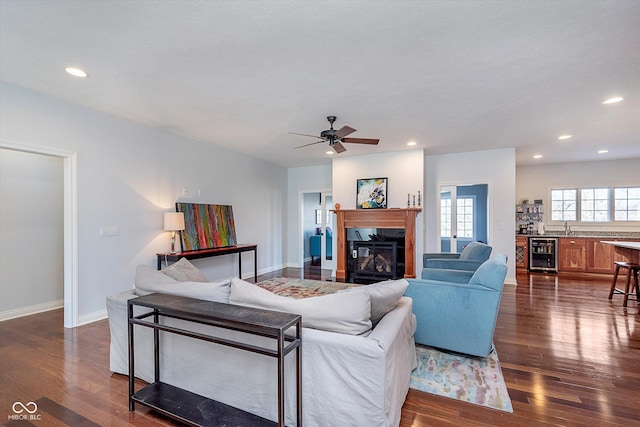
[447, 275]
[440, 255]
[453, 264]
[118, 329]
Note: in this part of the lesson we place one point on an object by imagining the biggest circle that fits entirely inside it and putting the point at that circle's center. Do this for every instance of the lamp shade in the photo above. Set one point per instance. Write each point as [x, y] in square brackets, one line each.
[173, 221]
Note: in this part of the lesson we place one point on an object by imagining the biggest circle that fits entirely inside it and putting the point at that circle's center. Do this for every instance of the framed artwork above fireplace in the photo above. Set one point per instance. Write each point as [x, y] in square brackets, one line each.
[371, 193]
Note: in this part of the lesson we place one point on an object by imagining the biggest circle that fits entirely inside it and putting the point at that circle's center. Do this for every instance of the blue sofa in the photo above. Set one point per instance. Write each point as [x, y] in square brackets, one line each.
[459, 317]
[457, 267]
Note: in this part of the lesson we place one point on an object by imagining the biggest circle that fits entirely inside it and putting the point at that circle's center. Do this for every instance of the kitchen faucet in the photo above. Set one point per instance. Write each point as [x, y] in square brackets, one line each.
[567, 229]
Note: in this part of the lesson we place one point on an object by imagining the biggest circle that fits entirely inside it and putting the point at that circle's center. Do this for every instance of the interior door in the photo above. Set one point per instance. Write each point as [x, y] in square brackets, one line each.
[464, 216]
[448, 214]
[328, 242]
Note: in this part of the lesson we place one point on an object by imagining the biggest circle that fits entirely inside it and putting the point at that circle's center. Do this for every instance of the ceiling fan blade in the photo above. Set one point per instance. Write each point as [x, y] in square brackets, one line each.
[361, 141]
[304, 134]
[344, 131]
[338, 147]
[311, 143]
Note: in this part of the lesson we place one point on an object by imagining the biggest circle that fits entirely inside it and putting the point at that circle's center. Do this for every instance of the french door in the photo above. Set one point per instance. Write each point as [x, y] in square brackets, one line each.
[327, 228]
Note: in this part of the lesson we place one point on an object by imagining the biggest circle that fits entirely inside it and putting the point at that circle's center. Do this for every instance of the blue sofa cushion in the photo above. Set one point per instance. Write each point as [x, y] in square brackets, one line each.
[476, 251]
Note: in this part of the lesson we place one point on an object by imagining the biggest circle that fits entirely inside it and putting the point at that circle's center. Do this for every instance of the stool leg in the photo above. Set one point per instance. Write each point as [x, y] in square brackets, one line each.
[635, 276]
[626, 287]
[613, 282]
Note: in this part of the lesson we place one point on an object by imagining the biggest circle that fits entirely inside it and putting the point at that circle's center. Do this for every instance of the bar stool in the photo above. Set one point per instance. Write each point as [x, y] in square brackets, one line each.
[632, 269]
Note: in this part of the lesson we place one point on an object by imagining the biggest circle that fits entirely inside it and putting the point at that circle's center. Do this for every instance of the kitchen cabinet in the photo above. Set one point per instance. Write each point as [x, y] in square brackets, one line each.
[577, 254]
[600, 256]
[522, 252]
[572, 254]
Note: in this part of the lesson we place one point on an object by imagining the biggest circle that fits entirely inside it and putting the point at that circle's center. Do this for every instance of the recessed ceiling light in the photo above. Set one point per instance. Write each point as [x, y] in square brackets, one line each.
[537, 156]
[603, 151]
[613, 100]
[329, 152]
[561, 137]
[411, 143]
[77, 72]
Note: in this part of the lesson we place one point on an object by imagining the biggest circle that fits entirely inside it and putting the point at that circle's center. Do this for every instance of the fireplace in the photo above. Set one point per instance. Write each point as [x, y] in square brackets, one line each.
[404, 219]
[374, 261]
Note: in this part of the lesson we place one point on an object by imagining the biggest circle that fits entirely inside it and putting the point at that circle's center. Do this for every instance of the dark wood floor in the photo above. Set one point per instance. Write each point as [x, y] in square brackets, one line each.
[569, 357]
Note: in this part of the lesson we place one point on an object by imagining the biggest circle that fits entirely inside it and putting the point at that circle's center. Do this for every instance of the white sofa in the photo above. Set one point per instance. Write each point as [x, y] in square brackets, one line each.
[347, 380]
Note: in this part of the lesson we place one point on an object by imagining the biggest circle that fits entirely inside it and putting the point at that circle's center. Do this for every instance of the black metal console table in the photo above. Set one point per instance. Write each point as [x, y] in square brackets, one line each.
[207, 253]
[182, 404]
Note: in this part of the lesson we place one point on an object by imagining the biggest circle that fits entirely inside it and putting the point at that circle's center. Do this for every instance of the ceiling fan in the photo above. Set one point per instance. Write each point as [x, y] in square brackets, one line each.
[336, 138]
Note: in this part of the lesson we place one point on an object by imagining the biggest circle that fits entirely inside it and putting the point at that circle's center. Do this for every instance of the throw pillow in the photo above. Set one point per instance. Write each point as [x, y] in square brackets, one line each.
[184, 271]
[343, 313]
[149, 281]
[147, 278]
[384, 296]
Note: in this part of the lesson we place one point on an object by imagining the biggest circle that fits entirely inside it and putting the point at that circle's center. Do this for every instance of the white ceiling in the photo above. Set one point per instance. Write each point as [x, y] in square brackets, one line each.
[452, 76]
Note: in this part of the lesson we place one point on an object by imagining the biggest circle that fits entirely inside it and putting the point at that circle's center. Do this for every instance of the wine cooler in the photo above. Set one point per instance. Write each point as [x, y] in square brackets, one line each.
[543, 254]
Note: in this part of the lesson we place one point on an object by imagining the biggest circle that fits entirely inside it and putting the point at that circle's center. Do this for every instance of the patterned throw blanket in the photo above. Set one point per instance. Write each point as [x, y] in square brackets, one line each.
[302, 288]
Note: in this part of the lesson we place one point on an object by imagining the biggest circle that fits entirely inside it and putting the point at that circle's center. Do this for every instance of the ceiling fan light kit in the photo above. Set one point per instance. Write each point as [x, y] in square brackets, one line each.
[336, 137]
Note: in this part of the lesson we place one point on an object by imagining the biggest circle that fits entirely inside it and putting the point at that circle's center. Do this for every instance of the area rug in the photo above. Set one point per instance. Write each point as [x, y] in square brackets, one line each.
[469, 379]
[302, 288]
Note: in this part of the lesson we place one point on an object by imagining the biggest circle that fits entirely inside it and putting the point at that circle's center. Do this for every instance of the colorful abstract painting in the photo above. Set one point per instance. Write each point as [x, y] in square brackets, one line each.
[371, 193]
[207, 226]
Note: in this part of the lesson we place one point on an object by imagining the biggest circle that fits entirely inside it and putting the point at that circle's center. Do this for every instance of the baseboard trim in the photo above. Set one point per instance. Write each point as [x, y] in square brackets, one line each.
[33, 309]
[92, 317]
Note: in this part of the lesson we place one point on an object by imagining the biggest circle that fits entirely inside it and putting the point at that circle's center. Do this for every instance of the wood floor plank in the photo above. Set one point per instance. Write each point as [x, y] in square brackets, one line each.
[570, 357]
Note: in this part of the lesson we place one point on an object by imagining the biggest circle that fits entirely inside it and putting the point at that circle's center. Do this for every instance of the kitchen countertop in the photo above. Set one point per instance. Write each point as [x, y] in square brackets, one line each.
[587, 235]
[629, 245]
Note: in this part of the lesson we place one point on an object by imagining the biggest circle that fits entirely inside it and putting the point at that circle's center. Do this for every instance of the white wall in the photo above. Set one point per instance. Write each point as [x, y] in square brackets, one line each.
[536, 182]
[404, 170]
[31, 233]
[129, 174]
[301, 180]
[494, 167]
[405, 173]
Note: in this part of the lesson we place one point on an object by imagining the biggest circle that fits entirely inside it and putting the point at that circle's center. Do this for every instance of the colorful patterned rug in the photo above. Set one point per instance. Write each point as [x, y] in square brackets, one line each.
[469, 379]
[302, 288]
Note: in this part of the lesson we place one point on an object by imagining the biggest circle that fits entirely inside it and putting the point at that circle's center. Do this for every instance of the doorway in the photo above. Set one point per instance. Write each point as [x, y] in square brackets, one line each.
[70, 224]
[316, 235]
[464, 216]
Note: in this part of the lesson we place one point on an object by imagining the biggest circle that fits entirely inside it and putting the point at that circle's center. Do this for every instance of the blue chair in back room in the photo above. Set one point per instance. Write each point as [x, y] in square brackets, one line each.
[314, 245]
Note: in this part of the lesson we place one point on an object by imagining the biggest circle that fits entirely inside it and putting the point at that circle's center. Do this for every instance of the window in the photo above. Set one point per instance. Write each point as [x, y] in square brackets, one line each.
[620, 204]
[626, 204]
[594, 204]
[445, 217]
[564, 206]
[464, 217]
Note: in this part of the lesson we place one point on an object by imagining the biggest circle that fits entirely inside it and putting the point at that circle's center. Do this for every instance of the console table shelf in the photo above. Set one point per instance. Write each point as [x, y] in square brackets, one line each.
[192, 408]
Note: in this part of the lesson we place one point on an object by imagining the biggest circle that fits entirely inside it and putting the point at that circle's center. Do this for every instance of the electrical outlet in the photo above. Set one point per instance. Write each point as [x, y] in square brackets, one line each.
[185, 191]
[109, 231]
